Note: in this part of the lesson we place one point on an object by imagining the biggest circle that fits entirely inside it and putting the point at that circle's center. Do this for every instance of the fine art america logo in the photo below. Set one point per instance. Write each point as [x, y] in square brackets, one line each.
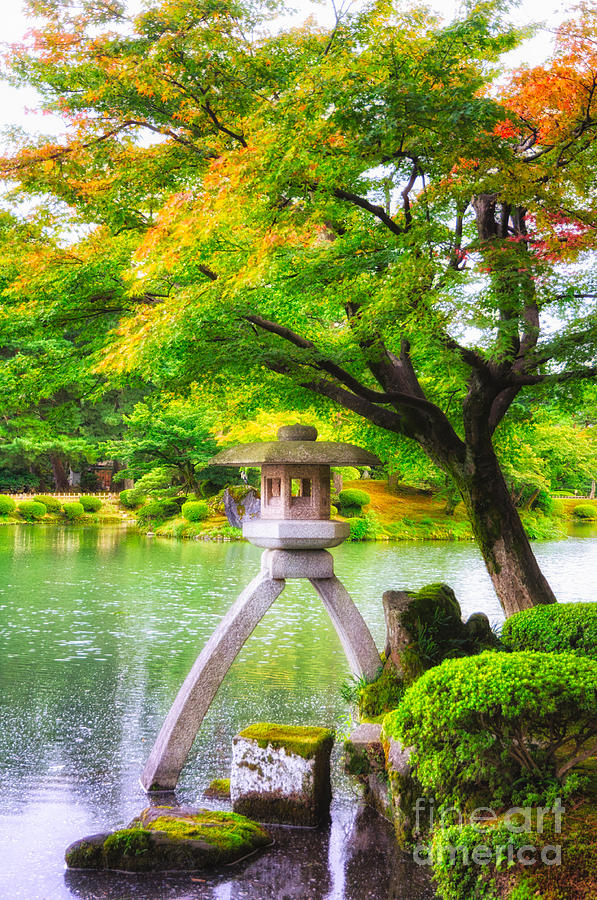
[516, 821]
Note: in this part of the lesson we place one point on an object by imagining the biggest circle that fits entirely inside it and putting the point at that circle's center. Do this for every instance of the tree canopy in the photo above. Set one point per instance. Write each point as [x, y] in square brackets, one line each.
[372, 214]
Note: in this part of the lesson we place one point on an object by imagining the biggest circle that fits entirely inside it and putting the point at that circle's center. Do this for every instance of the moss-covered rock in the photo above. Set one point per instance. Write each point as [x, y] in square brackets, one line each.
[380, 696]
[218, 789]
[164, 839]
[425, 627]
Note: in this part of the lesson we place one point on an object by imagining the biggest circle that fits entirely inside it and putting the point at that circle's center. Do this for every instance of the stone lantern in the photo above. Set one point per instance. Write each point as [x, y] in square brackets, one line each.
[294, 529]
[295, 487]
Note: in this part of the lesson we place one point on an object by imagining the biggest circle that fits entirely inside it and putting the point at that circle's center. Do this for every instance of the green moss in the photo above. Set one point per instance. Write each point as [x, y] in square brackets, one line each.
[301, 740]
[86, 853]
[220, 788]
[128, 842]
[433, 619]
[381, 696]
[228, 832]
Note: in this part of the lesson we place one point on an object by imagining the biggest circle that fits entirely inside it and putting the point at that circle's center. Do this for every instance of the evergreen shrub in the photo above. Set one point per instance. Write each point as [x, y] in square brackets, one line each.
[130, 498]
[557, 627]
[90, 504]
[31, 510]
[584, 511]
[73, 510]
[7, 505]
[352, 499]
[194, 510]
[52, 504]
[158, 510]
[506, 726]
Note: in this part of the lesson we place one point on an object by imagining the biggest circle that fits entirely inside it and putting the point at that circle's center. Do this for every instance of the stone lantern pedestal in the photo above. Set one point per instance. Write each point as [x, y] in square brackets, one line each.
[294, 530]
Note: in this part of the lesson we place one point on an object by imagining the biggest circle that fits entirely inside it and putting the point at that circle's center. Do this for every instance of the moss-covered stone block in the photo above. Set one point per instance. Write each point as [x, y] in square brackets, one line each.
[218, 789]
[281, 773]
[170, 839]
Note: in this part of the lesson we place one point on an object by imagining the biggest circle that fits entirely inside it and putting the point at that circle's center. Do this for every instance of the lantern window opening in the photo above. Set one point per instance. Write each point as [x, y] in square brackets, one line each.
[300, 489]
[273, 489]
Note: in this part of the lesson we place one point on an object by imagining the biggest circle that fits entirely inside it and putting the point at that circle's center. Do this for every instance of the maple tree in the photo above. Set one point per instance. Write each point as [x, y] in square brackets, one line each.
[368, 213]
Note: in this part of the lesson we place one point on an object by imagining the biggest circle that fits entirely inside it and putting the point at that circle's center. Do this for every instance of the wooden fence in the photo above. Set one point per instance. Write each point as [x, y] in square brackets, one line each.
[74, 495]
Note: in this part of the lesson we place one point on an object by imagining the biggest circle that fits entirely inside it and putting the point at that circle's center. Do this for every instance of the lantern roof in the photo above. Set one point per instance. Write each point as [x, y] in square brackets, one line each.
[298, 445]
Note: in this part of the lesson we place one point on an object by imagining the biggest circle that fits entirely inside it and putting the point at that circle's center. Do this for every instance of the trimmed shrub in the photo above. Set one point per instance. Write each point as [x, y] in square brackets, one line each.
[558, 627]
[90, 504]
[73, 510]
[194, 510]
[7, 505]
[31, 510]
[158, 510]
[365, 528]
[130, 498]
[584, 511]
[51, 503]
[352, 499]
[505, 726]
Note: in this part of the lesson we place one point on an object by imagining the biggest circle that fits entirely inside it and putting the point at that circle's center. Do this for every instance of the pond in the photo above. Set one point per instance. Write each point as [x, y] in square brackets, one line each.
[98, 629]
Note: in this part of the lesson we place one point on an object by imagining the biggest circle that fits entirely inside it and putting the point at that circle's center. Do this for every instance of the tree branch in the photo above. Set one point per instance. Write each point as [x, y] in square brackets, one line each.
[378, 211]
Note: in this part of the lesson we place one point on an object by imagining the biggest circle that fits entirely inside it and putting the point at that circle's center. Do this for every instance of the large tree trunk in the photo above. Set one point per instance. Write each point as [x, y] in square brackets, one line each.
[500, 535]
[59, 473]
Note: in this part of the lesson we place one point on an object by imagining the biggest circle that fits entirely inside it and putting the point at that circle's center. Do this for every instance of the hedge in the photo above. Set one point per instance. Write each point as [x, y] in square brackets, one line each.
[130, 498]
[504, 726]
[158, 509]
[90, 504]
[73, 510]
[584, 511]
[7, 505]
[353, 499]
[194, 510]
[51, 503]
[31, 510]
[558, 627]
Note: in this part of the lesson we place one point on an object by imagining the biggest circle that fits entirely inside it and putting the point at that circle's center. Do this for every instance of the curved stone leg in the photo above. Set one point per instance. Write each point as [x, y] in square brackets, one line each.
[180, 728]
[355, 637]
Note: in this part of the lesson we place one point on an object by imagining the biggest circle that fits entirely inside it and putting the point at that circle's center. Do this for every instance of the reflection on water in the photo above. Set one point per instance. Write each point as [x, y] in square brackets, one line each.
[98, 629]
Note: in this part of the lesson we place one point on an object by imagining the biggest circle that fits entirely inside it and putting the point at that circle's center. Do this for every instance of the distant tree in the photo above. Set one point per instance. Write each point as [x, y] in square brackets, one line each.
[170, 433]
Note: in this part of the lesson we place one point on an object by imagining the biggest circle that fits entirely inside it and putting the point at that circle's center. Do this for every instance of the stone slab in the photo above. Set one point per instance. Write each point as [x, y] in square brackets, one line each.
[295, 534]
[365, 734]
[282, 774]
[298, 563]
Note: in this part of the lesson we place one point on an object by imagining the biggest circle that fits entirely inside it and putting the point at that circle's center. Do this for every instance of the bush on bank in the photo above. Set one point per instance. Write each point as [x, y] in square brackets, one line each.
[559, 627]
[31, 510]
[73, 511]
[130, 498]
[157, 510]
[7, 505]
[500, 726]
[90, 504]
[585, 511]
[194, 510]
[351, 501]
[51, 503]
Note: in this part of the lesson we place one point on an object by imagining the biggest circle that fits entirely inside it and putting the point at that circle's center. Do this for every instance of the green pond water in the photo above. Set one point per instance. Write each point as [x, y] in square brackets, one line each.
[98, 628]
